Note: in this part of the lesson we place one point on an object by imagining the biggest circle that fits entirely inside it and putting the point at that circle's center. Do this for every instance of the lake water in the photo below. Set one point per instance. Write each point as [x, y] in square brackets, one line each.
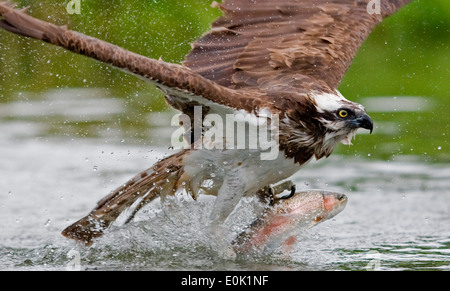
[53, 171]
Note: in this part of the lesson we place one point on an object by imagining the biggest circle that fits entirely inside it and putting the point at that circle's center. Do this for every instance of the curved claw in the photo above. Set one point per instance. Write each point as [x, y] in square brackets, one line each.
[271, 195]
[290, 194]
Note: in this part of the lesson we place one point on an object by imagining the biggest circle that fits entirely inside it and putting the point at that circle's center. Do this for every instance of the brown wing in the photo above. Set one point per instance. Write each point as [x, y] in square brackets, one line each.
[259, 43]
[276, 50]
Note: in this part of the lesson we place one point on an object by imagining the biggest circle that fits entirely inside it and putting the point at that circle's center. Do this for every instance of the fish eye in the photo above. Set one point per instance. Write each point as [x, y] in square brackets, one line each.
[340, 197]
[343, 113]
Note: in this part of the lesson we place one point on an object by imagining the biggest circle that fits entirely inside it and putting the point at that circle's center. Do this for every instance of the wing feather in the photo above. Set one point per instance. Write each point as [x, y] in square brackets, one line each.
[261, 53]
[184, 84]
[261, 39]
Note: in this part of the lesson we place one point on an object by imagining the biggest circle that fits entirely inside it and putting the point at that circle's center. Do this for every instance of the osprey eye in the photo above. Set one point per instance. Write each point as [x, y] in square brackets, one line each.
[343, 113]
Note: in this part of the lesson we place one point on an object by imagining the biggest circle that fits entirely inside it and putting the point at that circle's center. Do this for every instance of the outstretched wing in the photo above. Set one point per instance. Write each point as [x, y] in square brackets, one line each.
[175, 80]
[262, 43]
[261, 53]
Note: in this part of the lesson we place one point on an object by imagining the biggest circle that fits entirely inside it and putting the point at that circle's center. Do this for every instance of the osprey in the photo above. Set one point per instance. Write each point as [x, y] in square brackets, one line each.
[276, 61]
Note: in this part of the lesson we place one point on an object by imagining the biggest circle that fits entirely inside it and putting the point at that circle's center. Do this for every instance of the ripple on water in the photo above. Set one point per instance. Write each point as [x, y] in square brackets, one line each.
[396, 210]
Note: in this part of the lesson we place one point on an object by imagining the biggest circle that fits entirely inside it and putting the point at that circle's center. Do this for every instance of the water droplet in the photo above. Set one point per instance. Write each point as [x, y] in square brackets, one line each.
[95, 168]
[47, 223]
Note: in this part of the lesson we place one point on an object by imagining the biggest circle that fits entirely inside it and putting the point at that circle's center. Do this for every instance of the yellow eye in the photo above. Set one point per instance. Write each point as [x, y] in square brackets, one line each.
[343, 113]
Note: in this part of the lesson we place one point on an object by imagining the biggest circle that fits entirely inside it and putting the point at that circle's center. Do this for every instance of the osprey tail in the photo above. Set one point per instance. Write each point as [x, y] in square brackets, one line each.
[164, 178]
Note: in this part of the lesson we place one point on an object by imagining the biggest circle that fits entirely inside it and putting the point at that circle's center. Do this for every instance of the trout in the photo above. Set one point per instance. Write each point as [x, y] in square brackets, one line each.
[280, 223]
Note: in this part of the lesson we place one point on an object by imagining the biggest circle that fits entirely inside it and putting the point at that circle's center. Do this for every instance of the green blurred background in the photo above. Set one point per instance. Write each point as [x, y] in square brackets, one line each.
[406, 55]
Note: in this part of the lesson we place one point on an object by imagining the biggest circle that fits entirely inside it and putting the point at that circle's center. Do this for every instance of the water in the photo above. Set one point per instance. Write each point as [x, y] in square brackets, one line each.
[59, 156]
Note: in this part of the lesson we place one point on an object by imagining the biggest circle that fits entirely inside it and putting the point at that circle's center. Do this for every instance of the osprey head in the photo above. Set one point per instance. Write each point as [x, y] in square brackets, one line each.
[340, 117]
[318, 124]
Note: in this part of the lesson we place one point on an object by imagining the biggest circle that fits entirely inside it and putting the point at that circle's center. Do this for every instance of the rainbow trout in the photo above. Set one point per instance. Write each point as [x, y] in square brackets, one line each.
[281, 222]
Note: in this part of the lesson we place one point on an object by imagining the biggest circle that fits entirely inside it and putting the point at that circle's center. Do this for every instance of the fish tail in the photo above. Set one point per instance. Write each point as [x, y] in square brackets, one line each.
[164, 178]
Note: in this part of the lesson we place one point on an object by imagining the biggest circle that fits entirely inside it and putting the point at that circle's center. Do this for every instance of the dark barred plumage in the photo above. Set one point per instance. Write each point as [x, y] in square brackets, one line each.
[285, 57]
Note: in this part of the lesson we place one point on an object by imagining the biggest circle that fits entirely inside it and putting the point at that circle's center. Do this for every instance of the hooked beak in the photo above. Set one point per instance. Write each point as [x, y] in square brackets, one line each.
[364, 121]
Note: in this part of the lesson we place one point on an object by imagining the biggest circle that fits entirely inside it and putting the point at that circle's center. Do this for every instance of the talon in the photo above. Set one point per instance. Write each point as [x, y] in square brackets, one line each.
[266, 195]
[292, 191]
[271, 193]
[290, 194]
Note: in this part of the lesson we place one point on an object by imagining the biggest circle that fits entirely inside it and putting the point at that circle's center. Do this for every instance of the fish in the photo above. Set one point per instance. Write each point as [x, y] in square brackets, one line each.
[281, 222]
